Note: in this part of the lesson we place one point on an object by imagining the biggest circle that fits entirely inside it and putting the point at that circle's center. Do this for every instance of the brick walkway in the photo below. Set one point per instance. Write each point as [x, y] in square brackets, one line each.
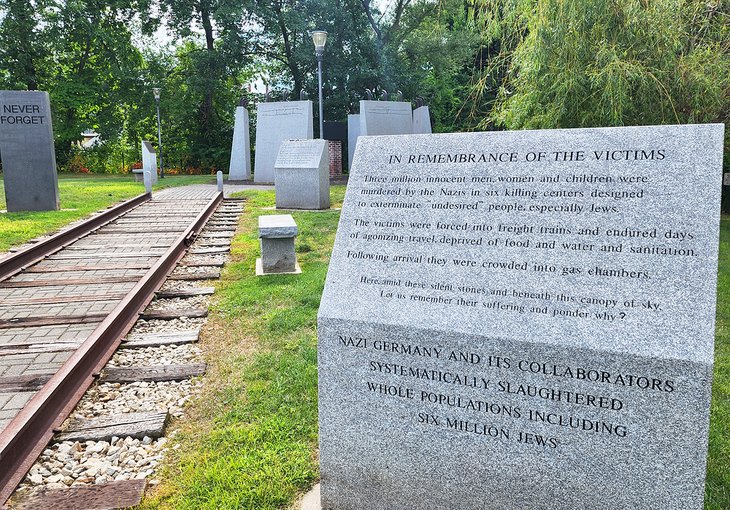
[83, 283]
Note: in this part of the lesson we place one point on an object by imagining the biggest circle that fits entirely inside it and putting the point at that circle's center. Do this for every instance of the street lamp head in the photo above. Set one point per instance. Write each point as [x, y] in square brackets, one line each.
[319, 37]
[156, 92]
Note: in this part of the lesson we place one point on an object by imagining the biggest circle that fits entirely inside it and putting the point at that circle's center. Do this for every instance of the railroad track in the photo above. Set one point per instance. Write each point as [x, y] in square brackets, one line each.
[67, 302]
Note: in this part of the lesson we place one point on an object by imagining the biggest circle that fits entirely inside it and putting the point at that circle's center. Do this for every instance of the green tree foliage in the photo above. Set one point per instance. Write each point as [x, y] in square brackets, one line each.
[204, 78]
[81, 53]
[612, 63]
[440, 56]
[97, 68]
[291, 63]
[24, 47]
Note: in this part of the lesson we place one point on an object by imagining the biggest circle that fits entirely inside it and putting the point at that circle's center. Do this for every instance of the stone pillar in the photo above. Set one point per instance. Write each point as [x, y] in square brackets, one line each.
[147, 176]
[240, 166]
[28, 155]
[149, 160]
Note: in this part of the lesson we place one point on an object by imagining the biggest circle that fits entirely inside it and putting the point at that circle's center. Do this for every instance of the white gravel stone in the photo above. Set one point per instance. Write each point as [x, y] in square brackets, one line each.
[159, 326]
[185, 270]
[161, 355]
[212, 259]
[179, 303]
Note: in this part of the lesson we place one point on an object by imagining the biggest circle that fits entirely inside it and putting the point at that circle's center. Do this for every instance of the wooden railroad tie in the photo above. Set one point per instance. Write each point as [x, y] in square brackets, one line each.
[51, 320]
[20, 383]
[157, 373]
[202, 264]
[211, 275]
[208, 251]
[12, 284]
[135, 425]
[106, 496]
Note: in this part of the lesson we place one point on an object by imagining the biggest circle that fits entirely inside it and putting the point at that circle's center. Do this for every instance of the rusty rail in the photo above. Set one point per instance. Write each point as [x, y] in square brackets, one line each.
[29, 432]
[16, 262]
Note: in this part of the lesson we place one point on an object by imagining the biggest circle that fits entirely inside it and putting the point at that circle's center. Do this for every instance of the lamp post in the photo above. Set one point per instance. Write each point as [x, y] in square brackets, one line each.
[319, 37]
[156, 92]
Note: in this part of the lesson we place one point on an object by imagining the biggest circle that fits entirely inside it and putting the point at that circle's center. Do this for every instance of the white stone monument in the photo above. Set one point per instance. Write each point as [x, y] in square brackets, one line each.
[421, 121]
[353, 132]
[522, 320]
[302, 175]
[240, 166]
[385, 118]
[149, 160]
[26, 144]
[276, 122]
[147, 177]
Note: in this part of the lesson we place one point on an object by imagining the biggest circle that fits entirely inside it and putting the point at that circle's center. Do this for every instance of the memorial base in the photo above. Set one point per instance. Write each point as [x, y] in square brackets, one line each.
[260, 269]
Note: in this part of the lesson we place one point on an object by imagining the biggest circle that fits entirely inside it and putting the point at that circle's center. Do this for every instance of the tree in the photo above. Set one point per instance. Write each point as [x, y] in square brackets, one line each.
[24, 46]
[623, 62]
[209, 73]
[97, 68]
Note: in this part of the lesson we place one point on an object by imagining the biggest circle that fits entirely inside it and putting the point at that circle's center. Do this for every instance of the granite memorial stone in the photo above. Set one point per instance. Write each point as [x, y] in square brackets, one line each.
[147, 177]
[421, 121]
[28, 155]
[276, 122]
[385, 118]
[240, 167]
[149, 160]
[276, 237]
[522, 320]
[302, 179]
[353, 132]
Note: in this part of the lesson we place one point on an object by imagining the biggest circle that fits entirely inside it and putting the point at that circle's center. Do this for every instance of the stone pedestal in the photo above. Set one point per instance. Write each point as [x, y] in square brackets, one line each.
[240, 166]
[26, 145]
[302, 175]
[276, 237]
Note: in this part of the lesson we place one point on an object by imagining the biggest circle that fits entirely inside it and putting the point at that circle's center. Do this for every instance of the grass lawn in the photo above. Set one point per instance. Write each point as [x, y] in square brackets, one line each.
[717, 496]
[250, 441]
[80, 196]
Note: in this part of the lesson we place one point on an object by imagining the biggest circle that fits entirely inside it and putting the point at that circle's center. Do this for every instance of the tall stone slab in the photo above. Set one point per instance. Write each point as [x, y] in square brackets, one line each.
[522, 320]
[302, 179]
[421, 121]
[149, 160]
[240, 166]
[353, 132]
[276, 122]
[28, 155]
[385, 118]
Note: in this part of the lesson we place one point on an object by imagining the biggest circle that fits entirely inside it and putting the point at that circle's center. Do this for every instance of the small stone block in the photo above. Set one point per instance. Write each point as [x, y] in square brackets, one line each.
[278, 255]
[277, 225]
